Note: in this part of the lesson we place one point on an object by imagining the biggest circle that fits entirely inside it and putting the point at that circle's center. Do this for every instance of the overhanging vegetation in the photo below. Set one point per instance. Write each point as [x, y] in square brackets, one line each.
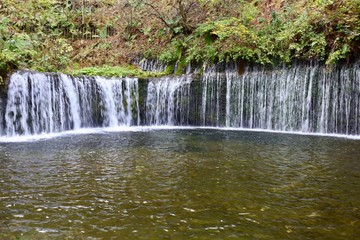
[54, 35]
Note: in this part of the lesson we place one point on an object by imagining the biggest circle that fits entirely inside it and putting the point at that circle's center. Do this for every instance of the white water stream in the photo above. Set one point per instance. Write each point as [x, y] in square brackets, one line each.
[304, 98]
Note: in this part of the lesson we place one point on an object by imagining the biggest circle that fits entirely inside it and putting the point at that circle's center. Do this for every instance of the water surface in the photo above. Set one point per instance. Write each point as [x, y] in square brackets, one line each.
[180, 184]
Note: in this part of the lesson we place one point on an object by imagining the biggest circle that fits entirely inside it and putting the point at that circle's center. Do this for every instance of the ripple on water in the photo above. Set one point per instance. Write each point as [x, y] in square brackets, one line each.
[191, 183]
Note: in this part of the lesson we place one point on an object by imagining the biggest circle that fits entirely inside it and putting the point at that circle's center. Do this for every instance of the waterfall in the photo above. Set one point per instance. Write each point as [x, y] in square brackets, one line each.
[2, 107]
[151, 65]
[305, 98]
[302, 98]
[45, 103]
[167, 101]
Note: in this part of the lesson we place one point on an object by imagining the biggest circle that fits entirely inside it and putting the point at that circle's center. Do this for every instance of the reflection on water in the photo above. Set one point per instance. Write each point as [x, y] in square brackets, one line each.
[181, 184]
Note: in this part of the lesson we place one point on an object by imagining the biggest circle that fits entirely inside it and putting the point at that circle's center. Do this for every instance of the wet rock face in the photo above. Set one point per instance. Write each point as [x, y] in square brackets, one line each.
[3, 97]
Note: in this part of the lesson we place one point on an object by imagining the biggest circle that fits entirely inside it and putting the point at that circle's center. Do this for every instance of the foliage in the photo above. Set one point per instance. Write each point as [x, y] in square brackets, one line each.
[30, 36]
[321, 29]
[54, 35]
[38, 34]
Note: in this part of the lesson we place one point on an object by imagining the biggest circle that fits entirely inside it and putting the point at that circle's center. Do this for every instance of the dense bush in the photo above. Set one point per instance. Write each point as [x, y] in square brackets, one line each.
[52, 35]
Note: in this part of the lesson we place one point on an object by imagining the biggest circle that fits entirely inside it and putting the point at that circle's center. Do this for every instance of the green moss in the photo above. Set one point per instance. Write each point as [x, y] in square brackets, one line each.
[182, 64]
[116, 71]
[169, 69]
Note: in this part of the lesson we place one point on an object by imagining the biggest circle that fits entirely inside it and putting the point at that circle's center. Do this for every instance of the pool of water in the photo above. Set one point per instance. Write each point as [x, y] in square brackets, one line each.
[180, 184]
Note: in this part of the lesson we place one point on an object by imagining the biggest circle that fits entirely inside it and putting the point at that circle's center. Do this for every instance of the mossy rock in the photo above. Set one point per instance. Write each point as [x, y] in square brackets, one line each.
[116, 71]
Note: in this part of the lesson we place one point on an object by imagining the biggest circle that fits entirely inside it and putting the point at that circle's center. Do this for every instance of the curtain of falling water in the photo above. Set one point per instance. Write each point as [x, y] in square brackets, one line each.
[304, 98]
